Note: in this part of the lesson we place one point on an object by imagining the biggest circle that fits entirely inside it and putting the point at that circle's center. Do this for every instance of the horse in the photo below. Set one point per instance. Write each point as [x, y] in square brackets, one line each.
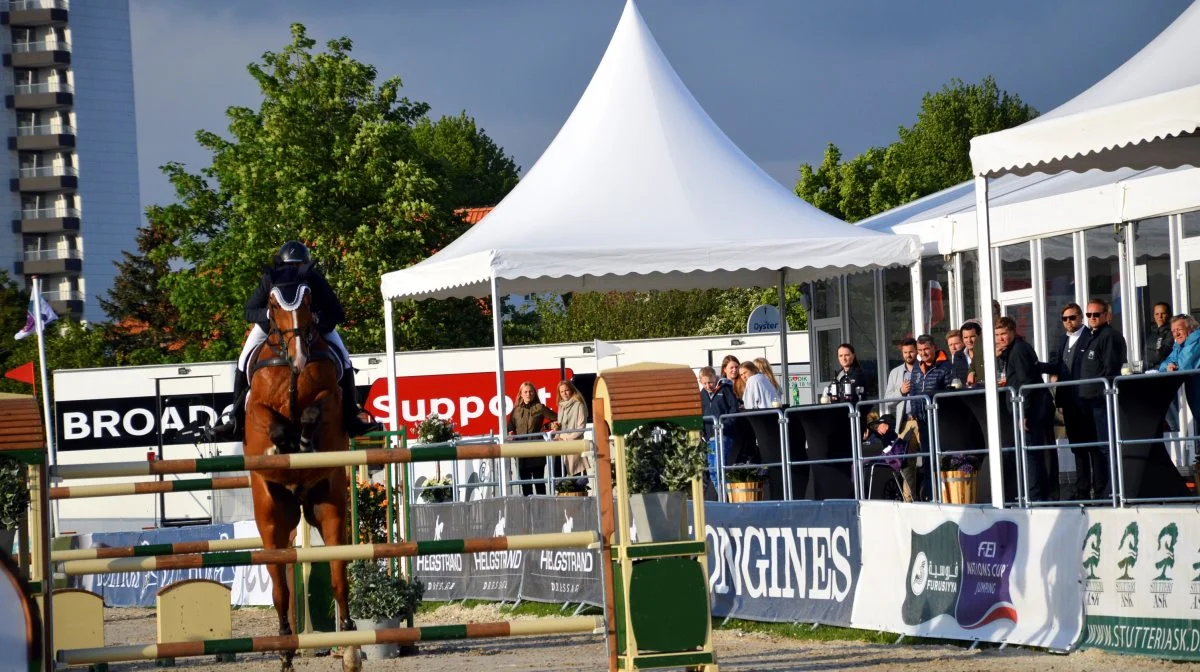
[294, 405]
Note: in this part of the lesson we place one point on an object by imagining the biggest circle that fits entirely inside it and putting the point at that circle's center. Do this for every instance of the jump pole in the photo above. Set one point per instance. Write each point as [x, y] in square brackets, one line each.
[321, 640]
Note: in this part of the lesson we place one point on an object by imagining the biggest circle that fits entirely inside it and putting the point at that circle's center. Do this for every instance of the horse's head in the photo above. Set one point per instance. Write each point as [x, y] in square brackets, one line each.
[291, 316]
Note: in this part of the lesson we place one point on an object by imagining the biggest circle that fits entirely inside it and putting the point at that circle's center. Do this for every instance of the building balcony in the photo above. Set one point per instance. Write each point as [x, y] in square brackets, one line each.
[51, 262]
[67, 302]
[44, 137]
[43, 96]
[36, 13]
[44, 54]
[45, 220]
[46, 178]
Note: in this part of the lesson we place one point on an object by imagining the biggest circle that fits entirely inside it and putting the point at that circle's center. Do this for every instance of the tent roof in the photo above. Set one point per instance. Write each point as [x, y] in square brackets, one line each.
[1145, 113]
[641, 190]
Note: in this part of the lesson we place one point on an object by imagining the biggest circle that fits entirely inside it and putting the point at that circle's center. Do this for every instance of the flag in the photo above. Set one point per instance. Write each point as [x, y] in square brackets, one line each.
[935, 308]
[23, 373]
[606, 349]
[48, 316]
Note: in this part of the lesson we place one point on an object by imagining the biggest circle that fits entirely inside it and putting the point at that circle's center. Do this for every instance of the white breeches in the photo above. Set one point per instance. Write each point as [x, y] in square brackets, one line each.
[257, 336]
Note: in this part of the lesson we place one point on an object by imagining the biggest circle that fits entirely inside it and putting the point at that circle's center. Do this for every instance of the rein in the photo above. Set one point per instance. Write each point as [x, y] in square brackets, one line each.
[277, 339]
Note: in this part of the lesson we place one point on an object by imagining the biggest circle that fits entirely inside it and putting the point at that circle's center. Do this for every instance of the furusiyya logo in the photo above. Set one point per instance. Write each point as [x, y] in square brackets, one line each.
[1093, 585]
[962, 575]
[812, 563]
[1127, 552]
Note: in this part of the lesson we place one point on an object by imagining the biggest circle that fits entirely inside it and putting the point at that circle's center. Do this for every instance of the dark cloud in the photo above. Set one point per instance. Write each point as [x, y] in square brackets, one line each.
[781, 77]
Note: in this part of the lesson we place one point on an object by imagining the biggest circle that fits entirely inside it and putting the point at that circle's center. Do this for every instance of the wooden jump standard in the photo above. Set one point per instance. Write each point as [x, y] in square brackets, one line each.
[288, 556]
[116, 654]
[322, 460]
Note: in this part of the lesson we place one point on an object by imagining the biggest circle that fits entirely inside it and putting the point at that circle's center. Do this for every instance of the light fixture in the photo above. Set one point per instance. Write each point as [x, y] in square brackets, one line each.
[183, 370]
[588, 349]
[374, 360]
[737, 341]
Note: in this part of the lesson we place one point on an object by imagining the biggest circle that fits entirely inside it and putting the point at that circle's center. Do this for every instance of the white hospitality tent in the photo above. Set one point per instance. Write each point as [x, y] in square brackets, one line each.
[1144, 114]
[640, 190]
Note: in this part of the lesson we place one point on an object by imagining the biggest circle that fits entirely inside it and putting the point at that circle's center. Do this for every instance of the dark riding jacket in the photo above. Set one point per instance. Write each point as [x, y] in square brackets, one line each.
[325, 305]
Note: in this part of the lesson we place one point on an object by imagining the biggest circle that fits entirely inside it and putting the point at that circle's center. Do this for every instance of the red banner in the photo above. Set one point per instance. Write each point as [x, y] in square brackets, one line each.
[23, 373]
[467, 399]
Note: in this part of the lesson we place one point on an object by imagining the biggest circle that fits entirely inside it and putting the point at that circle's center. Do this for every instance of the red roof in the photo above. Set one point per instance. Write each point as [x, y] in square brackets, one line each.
[473, 215]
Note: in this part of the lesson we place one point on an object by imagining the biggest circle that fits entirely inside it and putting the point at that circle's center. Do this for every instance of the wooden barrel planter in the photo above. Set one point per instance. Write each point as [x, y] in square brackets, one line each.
[744, 491]
[960, 487]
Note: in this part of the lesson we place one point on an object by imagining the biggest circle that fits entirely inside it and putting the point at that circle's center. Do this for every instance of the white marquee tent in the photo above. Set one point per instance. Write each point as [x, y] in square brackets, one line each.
[1144, 114]
[641, 190]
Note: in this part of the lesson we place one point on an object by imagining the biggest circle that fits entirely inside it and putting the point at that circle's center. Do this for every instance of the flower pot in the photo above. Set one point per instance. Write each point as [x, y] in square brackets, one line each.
[571, 494]
[960, 487]
[659, 516]
[744, 491]
[379, 651]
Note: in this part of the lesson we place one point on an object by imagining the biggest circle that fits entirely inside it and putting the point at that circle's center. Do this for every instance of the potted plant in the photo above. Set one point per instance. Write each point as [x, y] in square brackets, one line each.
[960, 478]
[436, 429]
[371, 500]
[572, 486]
[744, 483]
[380, 601]
[14, 500]
[662, 460]
[438, 490]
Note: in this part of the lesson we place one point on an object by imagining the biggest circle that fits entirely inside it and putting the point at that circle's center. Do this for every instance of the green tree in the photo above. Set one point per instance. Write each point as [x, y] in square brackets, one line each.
[627, 315]
[347, 166]
[931, 155]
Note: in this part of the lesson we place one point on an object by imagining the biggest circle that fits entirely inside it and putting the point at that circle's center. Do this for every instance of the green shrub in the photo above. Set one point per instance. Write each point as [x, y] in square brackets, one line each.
[14, 494]
[377, 596]
[661, 456]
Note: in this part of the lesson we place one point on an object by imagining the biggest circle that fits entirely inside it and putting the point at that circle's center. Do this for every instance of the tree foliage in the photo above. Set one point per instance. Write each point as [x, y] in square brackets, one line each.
[931, 155]
[347, 166]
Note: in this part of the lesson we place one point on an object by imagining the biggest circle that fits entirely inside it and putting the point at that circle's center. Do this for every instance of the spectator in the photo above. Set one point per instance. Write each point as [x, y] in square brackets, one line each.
[716, 400]
[759, 393]
[1066, 364]
[764, 367]
[929, 378]
[729, 375]
[960, 365]
[530, 416]
[1017, 364]
[851, 384]
[896, 378]
[572, 415]
[973, 371]
[1185, 356]
[1102, 358]
[1159, 342]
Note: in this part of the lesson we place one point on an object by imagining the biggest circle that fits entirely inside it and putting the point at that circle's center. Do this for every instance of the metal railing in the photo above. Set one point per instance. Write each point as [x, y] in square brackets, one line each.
[1023, 448]
[42, 87]
[868, 463]
[18, 5]
[45, 213]
[1118, 443]
[63, 295]
[43, 255]
[45, 129]
[936, 441]
[47, 171]
[40, 46]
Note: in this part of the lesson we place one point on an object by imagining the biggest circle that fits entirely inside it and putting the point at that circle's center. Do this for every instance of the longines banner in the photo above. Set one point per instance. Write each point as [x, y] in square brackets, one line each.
[973, 574]
[1141, 573]
[786, 561]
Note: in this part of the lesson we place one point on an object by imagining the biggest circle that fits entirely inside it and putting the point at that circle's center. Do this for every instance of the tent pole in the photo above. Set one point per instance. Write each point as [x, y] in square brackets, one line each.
[918, 298]
[785, 382]
[389, 346]
[987, 348]
[501, 399]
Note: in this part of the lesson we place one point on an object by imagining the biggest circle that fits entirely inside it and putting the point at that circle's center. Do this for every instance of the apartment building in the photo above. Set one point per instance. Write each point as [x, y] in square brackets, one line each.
[69, 118]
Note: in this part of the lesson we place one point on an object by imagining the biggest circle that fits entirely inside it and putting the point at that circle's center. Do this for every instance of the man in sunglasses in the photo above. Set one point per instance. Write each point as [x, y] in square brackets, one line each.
[1066, 363]
[1102, 358]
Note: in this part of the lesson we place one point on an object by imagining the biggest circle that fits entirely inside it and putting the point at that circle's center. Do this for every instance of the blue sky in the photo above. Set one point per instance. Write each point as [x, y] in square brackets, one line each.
[781, 77]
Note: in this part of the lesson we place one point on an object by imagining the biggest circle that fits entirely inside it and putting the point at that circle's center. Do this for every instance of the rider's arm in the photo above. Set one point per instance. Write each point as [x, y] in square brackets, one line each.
[256, 306]
[332, 313]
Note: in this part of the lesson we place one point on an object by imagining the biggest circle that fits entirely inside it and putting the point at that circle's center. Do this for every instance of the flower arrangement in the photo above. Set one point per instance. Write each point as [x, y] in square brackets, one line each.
[745, 473]
[14, 495]
[967, 464]
[661, 456]
[438, 490]
[575, 485]
[372, 512]
[436, 429]
[378, 596]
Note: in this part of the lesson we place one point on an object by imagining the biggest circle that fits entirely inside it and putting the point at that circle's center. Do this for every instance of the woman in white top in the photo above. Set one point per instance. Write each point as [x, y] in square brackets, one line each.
[760, 393]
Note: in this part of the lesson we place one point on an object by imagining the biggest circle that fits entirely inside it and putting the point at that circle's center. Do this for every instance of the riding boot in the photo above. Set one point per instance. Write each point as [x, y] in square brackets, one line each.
[353, 424]
[231, 430]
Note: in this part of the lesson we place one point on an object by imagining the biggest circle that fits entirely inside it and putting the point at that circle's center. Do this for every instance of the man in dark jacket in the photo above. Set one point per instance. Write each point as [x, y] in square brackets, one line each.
[1017, 365]
[1066, 363]
[929, 377]
[1159, 342]
[716, 400]
[292, 264]
[1103, 357]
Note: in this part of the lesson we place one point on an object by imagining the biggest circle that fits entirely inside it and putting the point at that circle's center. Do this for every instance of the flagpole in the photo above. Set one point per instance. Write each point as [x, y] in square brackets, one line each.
[51, 448]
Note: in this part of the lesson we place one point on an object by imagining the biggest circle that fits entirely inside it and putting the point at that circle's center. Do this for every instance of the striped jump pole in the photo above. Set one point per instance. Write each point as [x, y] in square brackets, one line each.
[341, 458]
[322, 640]
[150, 487]
[247, 544]
[287, 556]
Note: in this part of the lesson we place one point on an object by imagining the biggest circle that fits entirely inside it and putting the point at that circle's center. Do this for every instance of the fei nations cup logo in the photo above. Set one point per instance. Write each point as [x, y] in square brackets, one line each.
[961, 575]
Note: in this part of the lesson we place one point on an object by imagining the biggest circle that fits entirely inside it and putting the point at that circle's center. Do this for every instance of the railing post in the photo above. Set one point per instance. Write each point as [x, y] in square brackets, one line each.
[935, 449]
[856, 450]
[785, 456]
[1116, 467]
[1022, 456]
[719, 433]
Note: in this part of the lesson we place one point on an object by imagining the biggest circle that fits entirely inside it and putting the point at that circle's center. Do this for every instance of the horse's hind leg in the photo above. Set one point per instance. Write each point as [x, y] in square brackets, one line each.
[277, 512]
[326, 508]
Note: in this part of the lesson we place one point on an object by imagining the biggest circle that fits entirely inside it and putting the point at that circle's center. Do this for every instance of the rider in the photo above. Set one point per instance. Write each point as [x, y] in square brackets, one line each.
[328, 313]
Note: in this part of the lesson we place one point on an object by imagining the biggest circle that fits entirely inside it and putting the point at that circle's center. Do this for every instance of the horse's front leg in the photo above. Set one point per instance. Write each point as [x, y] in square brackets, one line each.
[277, 512]
[326, 508]
[309, 420]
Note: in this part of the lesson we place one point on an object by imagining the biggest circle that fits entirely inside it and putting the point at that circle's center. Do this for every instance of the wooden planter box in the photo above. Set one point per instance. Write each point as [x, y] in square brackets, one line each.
[960, 487]
[744, 491]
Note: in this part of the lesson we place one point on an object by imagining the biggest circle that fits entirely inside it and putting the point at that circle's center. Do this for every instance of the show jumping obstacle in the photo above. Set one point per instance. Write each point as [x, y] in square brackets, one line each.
[656, 600]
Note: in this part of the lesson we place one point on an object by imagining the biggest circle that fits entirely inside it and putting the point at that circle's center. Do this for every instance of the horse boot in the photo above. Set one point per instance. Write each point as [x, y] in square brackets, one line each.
[353, 424]
[231, 430]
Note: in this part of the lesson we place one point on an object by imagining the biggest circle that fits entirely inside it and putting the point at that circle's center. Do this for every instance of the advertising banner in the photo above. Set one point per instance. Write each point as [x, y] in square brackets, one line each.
[564, 574]
[495, 575]
[138, 589]
[444, 576]
[1141, 581]
[973, 574]
[784, 561]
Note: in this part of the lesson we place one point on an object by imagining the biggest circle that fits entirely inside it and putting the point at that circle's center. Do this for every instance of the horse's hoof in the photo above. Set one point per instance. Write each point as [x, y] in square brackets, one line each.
[272, 451]
[351, 660]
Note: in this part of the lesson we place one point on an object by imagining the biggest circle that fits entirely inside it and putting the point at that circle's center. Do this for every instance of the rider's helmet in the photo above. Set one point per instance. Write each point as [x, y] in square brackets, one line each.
[293, 252]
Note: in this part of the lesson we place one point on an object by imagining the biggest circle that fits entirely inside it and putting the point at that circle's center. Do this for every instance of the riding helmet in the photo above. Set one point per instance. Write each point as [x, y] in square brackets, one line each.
[294, 252]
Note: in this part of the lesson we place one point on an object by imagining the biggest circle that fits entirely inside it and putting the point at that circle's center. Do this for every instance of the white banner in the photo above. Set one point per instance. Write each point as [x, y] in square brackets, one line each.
[969, 573]
[1141, 574]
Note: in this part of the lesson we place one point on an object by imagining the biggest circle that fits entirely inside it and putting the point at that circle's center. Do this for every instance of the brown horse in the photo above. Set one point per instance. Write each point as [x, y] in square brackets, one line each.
[294, 405]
